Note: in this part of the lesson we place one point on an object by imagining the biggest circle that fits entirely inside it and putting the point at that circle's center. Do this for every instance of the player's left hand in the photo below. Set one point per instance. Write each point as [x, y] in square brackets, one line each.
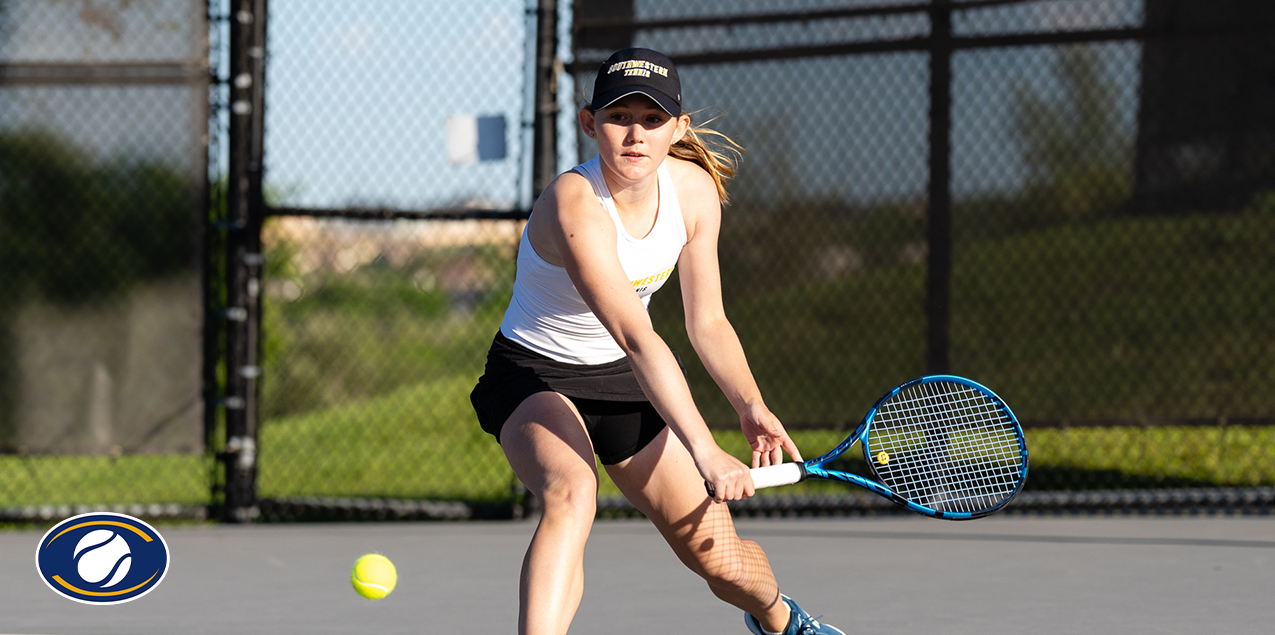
[767, 436]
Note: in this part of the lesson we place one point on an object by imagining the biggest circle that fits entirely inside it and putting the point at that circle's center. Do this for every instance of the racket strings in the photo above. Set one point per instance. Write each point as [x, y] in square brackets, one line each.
[947, 446]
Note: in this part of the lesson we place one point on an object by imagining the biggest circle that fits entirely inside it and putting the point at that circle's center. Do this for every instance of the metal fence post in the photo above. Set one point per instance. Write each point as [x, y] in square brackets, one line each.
[545, 141]
[243, 257]
[939, 275]
[544, 154]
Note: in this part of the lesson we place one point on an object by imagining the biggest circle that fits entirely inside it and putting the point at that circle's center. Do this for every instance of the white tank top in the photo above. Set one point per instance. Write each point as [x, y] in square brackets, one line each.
[547, 314]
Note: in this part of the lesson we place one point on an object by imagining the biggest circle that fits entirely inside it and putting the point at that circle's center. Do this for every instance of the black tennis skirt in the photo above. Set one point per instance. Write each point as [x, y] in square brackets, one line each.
[617, 413]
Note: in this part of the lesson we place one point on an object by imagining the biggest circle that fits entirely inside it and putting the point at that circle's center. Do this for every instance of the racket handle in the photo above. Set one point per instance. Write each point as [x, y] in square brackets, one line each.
[771, 476]
[776, 475]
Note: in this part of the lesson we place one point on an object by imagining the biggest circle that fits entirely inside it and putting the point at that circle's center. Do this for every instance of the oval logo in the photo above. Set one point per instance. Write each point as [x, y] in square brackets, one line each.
[102, 558]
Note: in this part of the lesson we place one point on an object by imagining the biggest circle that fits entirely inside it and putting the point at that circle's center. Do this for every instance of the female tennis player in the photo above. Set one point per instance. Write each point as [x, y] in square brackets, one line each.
[577, 369]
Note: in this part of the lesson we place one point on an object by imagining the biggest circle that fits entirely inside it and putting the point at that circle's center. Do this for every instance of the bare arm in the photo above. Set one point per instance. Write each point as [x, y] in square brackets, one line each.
[711, 333]
[582, 237]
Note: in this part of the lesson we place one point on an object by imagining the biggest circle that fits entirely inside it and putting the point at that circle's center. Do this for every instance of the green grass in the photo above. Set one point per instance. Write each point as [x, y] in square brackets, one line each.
[1125, 317]
[386, 447]
[423, 442]
[1126, 458]
[1160, 317]
[419, 441]
[74, 480]
[1120, 318]
[1169, 317]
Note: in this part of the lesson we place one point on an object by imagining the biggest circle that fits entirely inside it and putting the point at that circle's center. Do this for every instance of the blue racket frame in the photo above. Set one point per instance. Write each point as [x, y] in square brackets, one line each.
[814, 467]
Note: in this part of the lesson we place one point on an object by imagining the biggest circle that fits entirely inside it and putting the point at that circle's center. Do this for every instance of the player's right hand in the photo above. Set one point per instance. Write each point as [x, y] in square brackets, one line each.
[726, 477]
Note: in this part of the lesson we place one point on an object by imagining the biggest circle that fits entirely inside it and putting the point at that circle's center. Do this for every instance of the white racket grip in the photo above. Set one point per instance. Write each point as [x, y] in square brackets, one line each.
[776, 475]
[770, 476]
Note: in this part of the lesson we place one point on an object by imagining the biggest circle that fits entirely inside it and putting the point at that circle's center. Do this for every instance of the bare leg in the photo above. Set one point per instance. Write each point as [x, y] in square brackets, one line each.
[549, 449]
[662, 482]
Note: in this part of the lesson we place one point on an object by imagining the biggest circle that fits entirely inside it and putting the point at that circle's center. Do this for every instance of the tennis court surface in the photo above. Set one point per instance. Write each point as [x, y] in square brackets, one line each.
[1006, 574]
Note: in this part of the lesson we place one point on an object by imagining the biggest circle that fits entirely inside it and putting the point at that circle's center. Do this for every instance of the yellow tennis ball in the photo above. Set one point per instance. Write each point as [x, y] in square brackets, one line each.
[373, 576]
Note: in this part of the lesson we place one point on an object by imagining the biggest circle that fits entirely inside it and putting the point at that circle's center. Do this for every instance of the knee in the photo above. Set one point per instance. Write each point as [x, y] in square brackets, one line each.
[574, 497]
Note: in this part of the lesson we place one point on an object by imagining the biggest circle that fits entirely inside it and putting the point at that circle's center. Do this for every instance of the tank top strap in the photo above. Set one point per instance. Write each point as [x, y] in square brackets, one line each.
[670, 208]
[591, 170]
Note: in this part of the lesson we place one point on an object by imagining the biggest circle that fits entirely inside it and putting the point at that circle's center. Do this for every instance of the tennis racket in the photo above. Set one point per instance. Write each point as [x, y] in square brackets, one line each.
[939, 445]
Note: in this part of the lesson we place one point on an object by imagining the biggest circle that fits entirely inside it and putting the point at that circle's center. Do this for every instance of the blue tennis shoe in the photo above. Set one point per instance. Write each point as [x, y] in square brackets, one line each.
[799, 623]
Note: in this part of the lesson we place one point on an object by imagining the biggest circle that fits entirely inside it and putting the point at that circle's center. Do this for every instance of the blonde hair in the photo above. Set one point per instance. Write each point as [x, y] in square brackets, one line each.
[719, 158]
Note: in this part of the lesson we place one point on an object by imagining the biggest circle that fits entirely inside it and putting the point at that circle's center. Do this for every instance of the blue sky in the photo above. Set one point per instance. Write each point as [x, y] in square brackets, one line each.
[358, 96]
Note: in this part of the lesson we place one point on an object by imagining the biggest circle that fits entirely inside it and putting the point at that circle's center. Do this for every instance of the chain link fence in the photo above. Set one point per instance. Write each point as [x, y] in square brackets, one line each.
[1071, 202]
[1107, 192]
[103, 125]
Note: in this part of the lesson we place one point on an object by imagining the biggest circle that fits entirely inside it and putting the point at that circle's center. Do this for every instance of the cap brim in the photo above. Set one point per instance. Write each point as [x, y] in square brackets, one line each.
[666, 103]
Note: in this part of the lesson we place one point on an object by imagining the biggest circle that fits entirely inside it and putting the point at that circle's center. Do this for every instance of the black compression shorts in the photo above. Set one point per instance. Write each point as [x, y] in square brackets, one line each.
[620, 419]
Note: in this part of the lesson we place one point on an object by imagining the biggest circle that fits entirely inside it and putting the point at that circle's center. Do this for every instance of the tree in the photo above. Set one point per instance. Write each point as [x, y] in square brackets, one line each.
[1076, 153]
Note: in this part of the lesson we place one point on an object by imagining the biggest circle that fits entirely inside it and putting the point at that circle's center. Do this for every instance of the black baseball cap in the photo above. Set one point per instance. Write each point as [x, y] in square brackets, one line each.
[637, 70]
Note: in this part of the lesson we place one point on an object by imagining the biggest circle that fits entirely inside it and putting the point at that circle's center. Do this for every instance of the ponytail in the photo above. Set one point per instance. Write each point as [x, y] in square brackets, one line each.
[718, 159]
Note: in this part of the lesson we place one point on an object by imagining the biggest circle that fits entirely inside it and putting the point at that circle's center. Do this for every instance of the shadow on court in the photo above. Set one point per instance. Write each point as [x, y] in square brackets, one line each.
[1009, 574]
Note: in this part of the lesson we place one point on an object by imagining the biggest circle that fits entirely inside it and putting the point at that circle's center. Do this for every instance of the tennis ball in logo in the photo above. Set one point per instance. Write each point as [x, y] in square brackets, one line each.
[374, 576]
[102, 554]
[102, 558]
